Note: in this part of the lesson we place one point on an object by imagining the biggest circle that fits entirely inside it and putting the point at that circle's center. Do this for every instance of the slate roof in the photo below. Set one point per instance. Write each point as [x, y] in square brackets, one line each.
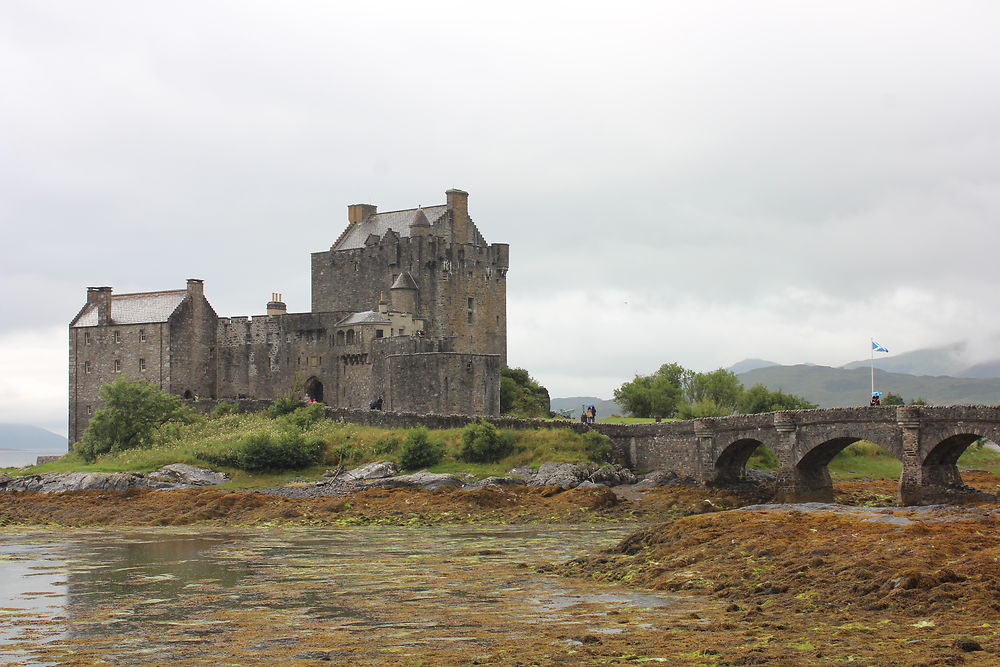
[141, 308]
[366, 317]
[404, 281]
[379, 223]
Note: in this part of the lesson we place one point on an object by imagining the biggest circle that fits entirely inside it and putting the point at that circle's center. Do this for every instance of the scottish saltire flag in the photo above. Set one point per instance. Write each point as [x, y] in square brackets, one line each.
[878, 348]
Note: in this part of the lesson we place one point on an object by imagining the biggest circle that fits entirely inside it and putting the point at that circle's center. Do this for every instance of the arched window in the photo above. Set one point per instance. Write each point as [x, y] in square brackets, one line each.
[350, 336]
[340, 337]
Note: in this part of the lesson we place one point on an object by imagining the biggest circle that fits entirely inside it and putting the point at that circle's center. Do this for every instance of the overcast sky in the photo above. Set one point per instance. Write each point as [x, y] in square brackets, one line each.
[697, 182]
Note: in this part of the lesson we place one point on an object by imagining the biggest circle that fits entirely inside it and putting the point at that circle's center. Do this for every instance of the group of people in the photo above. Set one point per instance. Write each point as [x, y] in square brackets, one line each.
[589, 414]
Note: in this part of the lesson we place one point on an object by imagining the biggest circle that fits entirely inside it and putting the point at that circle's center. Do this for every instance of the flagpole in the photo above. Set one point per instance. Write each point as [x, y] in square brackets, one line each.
[872, 352]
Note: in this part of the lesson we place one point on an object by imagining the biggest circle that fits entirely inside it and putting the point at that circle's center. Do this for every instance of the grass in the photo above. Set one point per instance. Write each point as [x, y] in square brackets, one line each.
[345, 444]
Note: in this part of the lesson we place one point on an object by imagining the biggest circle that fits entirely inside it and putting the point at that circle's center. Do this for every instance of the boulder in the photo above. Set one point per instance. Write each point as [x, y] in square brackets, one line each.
[189, 475]
[664, 478]
[375, 470]
[497, 481]
[613, 475]
[420, 480]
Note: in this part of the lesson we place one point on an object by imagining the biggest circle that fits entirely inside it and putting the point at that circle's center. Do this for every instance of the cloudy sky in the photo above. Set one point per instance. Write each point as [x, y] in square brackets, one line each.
[697, 182]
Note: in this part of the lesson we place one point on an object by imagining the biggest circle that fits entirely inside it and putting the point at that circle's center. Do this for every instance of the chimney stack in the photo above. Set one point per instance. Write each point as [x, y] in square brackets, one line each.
[101, 296]
[276, 306]
[196, 287]
[458, 204]
[358, 212]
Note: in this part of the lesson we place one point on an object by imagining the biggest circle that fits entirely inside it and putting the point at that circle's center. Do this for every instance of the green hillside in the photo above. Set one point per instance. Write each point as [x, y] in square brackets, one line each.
[841, 387]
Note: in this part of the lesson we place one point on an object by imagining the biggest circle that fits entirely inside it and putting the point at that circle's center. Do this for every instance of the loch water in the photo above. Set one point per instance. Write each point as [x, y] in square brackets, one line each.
[351, 594]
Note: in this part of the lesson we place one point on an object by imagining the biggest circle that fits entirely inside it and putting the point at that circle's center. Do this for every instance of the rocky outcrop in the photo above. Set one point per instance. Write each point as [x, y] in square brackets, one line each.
[189, 475]
[570, 475]
[175, 476]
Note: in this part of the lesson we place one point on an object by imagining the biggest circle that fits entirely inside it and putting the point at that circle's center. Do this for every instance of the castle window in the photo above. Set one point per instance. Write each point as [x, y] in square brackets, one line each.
[379, 333]
[468, 316]
[142, 364]
[142, 335]
[350, 336]
[86, 338]
[86, 367]
[118, 336]
[340, 338]
[118, 365]
[90, 410]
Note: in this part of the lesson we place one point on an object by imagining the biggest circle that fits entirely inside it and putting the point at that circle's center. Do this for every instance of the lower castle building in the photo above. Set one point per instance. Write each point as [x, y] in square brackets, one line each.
[407, 306]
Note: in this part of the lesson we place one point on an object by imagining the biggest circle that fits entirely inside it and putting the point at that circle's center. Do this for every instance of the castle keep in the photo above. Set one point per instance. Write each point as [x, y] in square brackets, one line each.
[408, 306]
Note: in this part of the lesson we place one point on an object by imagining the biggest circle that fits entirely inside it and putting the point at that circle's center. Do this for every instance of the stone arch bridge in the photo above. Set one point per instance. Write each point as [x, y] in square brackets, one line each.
[927, 440]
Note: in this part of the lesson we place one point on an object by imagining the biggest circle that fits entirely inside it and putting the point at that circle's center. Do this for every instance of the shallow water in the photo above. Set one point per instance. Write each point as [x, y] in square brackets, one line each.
[368, 594]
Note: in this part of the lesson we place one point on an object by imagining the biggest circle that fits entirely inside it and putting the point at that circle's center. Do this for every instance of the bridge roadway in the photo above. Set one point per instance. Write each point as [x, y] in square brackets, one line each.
[927, 440]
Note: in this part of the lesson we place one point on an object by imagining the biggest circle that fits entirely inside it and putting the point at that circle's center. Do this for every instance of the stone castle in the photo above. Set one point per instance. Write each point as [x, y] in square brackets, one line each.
[407, 306]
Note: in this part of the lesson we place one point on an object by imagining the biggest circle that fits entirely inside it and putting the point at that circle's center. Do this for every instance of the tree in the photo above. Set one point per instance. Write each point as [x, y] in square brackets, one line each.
[655, 395]
[132, 413]
[721, 387]
[892, 399]
[521, 395]
[759, 398]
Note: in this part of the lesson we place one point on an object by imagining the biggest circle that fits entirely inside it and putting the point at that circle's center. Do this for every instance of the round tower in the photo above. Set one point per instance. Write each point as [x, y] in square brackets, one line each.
[404, 293]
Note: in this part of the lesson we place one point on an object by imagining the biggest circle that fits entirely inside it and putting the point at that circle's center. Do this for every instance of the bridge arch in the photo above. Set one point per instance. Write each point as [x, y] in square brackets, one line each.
[812, 472]
[731, 463]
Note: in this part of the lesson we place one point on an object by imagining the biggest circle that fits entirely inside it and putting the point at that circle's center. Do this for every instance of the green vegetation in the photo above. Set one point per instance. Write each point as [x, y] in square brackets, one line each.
[521, 395]
[674, 391]
[419, 451]
[133, 413]
[217, 442]
[483, 443]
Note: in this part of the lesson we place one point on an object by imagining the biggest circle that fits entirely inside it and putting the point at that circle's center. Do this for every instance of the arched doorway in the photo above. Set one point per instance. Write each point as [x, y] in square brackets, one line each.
[314, 389]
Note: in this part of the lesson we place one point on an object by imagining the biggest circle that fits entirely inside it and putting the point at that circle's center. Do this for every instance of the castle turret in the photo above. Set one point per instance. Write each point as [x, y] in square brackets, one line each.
[420, 225]
[276, 306]
[404, 294]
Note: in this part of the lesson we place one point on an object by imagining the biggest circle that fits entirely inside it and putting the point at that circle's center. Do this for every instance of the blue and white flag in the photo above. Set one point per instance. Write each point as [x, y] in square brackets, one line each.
[878, 348]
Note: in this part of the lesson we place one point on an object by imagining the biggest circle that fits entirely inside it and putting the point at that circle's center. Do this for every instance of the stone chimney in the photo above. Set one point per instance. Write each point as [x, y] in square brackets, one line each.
[383, 305]
[101, 296]
[458, 204]
[276, 306]
[358, 212]
[196, 287]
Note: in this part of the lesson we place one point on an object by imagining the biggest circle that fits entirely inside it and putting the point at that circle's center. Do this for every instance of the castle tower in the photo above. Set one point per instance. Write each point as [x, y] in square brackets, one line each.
[404, 294]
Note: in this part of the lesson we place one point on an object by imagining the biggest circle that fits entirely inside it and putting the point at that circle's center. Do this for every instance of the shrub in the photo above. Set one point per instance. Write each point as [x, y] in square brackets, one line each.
[283, 406]
[224, 408]
[132, 414]
[385, 446]
[482, 443]
[306, 417]
[597, 446]
[267, 451]
[419, 452]
[345, 455]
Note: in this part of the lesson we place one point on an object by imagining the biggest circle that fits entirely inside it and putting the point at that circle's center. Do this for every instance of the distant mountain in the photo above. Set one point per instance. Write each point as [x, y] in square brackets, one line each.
[750, 365]
[843, 387]
[24, 436]
[605, 408]
[946, 360]
[986, 369]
